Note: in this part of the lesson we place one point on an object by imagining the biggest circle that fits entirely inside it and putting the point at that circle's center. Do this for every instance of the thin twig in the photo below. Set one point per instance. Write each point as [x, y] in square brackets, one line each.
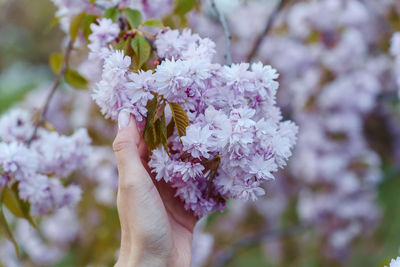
[227, 34]
[56, 83]
[268, 26]
[226, 256]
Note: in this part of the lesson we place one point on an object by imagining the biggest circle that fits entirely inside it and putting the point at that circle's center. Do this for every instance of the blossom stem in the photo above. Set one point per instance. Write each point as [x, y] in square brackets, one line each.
[144, 33]
[56, 83]
[227, 34]
[268, 26]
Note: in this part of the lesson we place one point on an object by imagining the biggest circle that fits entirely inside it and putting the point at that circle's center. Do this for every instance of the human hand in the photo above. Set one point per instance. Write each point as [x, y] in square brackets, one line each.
[156, 230]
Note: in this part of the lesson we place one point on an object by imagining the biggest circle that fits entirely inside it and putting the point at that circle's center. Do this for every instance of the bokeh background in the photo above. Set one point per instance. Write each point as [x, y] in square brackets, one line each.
[312, 58]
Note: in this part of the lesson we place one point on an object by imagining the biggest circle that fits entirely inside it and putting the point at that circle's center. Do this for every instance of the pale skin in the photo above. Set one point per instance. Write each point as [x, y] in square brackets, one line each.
[156, 230]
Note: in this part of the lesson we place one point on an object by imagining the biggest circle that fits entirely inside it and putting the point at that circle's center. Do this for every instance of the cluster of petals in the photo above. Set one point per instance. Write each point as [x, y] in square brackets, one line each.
[37, 167]
[236, 138]
[331, 79]
[332, 151]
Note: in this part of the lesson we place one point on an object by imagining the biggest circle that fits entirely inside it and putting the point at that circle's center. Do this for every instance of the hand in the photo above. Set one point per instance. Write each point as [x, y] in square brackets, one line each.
[156, 230]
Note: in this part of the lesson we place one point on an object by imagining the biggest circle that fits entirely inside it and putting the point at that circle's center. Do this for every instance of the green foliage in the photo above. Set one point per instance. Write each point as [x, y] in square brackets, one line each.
[156, 131]
[161, 130]
[75, 25]
[180, 118]
[112, 13]
[170, 128]
[67, 261]
[177, 18]
[182, 7]
[127, 47]
[88, 19]
[55, 62]
[73, 78]
[149, 132]
[17, 206]
[153, 22]
[52, 24]
[253, 257]
[5, 229]
[134, 17]
[388, 235]
[142, 50]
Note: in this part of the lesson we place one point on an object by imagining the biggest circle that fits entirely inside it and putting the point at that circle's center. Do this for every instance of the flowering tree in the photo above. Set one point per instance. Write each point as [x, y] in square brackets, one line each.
[215, 130]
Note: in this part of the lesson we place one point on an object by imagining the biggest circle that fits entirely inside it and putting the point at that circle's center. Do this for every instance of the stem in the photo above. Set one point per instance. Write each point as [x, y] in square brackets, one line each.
[227, 34]
[264, 33]
[56, 83]
[144, 33]
[224, 257]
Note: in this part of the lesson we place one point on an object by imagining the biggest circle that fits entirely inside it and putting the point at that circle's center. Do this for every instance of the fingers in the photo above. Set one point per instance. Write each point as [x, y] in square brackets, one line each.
[130, 167]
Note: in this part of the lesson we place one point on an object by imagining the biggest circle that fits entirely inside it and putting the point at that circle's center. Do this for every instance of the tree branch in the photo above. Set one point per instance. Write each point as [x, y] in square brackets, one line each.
[268, 26]
[227, 34]
[224, 257]
[56, 83]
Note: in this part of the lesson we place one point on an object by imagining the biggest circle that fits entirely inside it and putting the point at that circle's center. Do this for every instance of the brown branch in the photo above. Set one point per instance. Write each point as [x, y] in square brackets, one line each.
[56, 83]
[227, 34]
[268, 26]
[224, 257]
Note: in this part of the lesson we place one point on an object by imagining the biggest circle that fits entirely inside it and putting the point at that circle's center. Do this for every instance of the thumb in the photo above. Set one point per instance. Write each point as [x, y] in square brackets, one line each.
[125, 146]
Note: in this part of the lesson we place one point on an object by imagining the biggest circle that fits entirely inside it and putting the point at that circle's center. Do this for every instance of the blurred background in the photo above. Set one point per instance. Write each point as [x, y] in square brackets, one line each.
[338, 201]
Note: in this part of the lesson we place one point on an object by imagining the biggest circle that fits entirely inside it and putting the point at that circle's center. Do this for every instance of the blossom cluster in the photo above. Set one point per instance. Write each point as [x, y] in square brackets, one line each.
[56, 232]
[235, 139]
[331, 79]
[36, 164]
[60, 231]
[333, 161]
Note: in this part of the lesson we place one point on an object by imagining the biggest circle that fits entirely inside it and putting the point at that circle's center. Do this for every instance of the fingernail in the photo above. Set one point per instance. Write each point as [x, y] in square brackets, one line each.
[124, 118]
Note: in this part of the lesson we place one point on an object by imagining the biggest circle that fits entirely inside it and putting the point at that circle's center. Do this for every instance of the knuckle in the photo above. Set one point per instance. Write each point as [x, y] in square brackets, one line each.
[120, 145]
[122, 142]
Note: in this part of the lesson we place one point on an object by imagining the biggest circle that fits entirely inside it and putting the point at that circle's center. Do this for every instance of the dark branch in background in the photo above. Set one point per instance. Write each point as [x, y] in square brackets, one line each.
[56, 83]
[227, 34]
[224, 257]
[268, 26]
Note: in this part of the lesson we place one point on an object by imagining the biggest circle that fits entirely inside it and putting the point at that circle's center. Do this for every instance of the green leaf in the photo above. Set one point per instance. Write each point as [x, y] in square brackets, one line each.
[121, 44]
[180, 118]
[159, 111]
[153, 22]
[76, 80]
[12, 203]
[17, 206]
[149, 135]
[87, 21]
[75, 25]
[56, 61]
[183, 6]
[161, 130]
[128, 51]
[5, 229]
[112, 13]
[142, 50]
[52, 24]
[134, 17]
[170, 128]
